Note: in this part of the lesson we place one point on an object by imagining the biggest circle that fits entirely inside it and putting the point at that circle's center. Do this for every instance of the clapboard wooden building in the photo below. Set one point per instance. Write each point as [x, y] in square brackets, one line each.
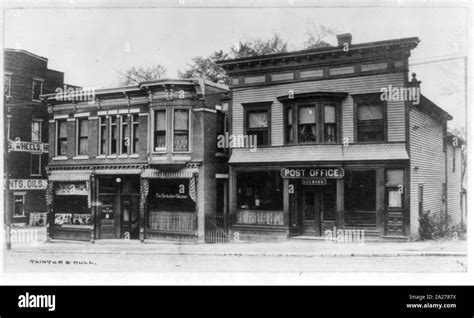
[136, 162]
[345, 141]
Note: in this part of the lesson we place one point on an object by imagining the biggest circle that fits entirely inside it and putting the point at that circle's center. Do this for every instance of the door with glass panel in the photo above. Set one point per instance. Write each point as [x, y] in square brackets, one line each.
[312, 208]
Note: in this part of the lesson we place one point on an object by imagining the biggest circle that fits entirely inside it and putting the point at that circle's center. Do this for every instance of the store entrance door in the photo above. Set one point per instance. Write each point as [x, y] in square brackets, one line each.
[312, 208]
[130, 216]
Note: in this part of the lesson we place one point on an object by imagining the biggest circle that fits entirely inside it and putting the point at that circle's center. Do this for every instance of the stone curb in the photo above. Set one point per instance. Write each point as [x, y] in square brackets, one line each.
[268, 254]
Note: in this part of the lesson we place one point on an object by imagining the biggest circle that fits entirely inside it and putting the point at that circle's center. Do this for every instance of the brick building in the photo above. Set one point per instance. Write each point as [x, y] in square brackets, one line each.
[136, 162]
[345, 142]
[26, 78]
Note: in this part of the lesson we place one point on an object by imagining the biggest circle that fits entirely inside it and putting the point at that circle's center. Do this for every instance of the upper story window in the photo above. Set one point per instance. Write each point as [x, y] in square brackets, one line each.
[257, 122]
[315, 123]
[159, 134]
[181, 130]
[36, 130]
[61, 137]
[35, 164]
[7, 82]
[82, 134]
[307, 124]
[103, 135]
[37, 90]
[118, 134]
[370, 119]
[113, 135]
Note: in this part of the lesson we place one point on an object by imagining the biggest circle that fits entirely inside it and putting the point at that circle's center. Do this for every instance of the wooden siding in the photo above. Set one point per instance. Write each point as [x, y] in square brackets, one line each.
[426, 153]
[454, 186]
[353, 85]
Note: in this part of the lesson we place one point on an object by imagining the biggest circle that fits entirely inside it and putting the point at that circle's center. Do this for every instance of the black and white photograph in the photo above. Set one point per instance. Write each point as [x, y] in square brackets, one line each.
[191, 138]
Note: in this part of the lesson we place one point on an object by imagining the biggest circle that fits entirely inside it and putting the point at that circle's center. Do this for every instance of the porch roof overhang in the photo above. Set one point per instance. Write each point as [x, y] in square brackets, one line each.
[308, 153]
[70, 175]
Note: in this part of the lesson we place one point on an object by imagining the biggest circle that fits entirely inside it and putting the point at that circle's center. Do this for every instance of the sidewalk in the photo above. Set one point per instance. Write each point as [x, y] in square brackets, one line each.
[302, 248]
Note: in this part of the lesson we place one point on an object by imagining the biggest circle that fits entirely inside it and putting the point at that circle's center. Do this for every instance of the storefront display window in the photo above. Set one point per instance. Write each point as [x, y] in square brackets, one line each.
[259, 191]
[360, 198]
[70, 205]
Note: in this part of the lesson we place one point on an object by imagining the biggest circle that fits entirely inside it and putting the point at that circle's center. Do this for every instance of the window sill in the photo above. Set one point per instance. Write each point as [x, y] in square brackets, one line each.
[112, 157]
[101, 157]
[36, 175]
[19, 216]
[135, 155]
[82, 157]
[123, 156]
[59, 158]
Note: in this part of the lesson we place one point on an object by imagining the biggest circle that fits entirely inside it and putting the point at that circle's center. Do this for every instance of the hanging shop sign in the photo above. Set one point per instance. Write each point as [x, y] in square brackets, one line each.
[302, 173]
[26, 146]
[315, 181]
[27, 184]
[71, 189]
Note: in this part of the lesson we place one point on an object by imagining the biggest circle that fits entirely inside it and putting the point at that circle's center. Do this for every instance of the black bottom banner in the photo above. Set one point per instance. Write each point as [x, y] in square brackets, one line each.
[350, 301]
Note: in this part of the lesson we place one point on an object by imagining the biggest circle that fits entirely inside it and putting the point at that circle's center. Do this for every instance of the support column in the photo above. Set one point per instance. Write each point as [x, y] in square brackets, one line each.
[144, 189]
[49, 213]
[340, 203]
[286, 203]
[93, 206]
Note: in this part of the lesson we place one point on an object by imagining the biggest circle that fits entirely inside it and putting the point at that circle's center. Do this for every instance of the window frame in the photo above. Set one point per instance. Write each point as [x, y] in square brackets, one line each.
[165, 148]
[58, 139]
[10, 77]
[39, 172]
[124, 125]
[40, 123]
[373, 97]
[117, 138]
[79, 137]
[319, 107]
[103, 122]
[134, 121]
[23, 196]
[41, 81]
[255, 107]
[173, 130]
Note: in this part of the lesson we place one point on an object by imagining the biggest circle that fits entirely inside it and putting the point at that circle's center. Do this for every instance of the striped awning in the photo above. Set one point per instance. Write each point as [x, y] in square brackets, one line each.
[70, 175]
[186, 173]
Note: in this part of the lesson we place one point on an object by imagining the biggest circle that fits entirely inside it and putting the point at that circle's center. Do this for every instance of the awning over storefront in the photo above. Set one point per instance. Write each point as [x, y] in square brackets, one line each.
[70, 175]
[185, 173]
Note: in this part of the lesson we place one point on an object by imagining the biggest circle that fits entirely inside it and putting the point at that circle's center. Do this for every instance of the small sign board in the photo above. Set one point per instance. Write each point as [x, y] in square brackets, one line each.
[27, 184]
[315, 172]
[318, 181]
[26, 146]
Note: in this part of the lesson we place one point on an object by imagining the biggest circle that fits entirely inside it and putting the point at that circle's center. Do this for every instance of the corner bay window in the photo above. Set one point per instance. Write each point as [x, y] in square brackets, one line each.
[315, 123]
[370, 119]
[260, 198]
[61, 139]
[360, 198]
[159, 135]
[181, 130]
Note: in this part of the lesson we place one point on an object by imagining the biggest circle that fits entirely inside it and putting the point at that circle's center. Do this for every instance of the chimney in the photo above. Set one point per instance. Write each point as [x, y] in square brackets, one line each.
[343, 38]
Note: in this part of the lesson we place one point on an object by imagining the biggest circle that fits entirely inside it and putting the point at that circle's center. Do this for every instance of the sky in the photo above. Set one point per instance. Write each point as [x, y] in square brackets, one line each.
[92, 45]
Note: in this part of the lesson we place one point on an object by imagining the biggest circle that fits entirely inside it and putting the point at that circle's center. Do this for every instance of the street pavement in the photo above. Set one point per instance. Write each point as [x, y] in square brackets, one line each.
[292, 255]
